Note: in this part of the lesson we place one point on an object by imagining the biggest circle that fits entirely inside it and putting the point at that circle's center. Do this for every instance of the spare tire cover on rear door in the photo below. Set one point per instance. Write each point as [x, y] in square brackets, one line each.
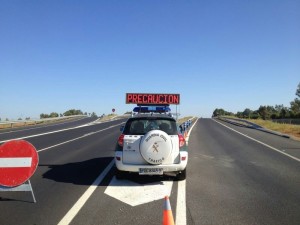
[156, 146]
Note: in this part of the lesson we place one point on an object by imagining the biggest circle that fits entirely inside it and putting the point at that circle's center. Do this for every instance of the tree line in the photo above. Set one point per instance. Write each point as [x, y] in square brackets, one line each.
[70, 112]
[268, 112]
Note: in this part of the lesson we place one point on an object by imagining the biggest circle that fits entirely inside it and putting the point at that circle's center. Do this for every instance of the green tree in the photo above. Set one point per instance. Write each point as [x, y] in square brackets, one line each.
[298, 91]
[295, 108]
[219, 112]
[263, 112]
[93, 114]
[44, 116]
[53, 114]
[73, 112]
[246, 113]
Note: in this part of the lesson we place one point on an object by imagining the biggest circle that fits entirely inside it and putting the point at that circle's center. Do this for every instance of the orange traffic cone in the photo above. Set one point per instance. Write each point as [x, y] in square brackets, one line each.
[168, 216]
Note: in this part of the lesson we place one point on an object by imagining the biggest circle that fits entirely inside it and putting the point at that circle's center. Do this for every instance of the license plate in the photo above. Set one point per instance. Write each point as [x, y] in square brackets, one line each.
[151, 171]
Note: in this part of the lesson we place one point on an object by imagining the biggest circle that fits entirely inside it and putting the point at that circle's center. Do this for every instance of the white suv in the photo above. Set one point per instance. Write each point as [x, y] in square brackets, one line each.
[150, 144]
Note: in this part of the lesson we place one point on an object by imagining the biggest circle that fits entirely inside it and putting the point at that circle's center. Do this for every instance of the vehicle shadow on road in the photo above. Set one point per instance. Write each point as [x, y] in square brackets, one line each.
[79, 173]
[85, 173]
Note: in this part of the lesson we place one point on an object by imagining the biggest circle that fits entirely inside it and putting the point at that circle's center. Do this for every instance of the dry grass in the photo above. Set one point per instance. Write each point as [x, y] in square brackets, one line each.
[181, 120]
[23, 123]
[289, 129]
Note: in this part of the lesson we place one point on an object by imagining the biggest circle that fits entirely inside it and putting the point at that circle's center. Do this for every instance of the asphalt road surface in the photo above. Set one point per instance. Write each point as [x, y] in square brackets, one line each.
[236, 175]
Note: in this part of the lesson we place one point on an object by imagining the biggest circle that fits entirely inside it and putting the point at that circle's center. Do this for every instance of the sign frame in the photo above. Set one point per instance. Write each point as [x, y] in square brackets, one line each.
[152, 99]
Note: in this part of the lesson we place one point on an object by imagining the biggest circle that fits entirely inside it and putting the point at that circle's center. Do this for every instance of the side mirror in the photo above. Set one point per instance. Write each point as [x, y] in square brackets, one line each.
[122, 128]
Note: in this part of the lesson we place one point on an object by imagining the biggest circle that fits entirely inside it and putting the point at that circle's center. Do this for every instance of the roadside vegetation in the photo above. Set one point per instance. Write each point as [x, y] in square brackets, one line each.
[182, 120]
[278, 118]
[70, 112]
[53, 117]
[289, 129]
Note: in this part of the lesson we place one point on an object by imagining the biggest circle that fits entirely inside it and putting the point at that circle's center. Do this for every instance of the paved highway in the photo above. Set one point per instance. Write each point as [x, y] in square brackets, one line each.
[236, 175]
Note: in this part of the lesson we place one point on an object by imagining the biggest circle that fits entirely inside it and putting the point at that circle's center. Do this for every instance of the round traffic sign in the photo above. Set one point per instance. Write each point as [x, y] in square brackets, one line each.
[18, 162]
[113, 110]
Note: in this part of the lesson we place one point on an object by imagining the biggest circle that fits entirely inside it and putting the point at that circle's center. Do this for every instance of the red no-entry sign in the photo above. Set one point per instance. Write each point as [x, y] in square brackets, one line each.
[18, 162]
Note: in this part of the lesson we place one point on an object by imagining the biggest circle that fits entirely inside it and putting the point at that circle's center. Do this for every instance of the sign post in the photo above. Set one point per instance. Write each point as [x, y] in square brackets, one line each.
[18, 162]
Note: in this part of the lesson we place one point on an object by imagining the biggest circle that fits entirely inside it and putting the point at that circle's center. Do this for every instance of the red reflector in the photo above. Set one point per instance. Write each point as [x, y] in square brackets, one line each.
[118, 158]
[183, 158]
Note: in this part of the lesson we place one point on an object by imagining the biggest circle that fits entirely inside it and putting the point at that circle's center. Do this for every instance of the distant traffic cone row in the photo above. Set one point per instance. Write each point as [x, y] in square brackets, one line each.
[168, 216]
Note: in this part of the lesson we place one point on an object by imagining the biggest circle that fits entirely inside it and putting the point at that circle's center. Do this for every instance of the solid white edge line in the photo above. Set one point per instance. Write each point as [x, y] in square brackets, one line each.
[180, 218]
[188, 135]
[86, 195]
[181, 203]
[275, 149]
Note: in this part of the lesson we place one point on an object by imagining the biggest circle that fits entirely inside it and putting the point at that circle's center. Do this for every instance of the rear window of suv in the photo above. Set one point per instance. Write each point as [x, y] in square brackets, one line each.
[140, 126]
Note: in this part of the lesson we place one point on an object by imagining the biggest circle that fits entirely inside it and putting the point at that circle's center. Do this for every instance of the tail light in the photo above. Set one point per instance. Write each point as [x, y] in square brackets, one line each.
[181, 140]
[118, 158]
[121, 140]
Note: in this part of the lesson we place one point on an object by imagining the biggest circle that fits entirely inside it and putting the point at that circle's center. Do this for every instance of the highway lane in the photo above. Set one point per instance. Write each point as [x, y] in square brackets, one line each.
[63, 174]
[231, 180]
[235, 180]
[283, 144]
[6, 134]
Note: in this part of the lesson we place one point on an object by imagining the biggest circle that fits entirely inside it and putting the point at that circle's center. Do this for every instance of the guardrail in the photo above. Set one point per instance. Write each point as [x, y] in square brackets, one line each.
[241, 122]
[18, 123]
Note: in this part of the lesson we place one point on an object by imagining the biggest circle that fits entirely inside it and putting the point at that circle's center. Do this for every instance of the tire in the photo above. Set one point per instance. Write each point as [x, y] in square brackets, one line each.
[181, 175]
[156, 146]
[120, 175]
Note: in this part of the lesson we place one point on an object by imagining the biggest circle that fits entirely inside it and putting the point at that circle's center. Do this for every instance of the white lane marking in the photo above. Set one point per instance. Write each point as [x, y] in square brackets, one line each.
[86, 195]
[15, 162]
[83, 136]
[188, 135]
[181, 193]
[135, 194]
[51, 132]
[275, 149]
[181, 203]
[33, 128]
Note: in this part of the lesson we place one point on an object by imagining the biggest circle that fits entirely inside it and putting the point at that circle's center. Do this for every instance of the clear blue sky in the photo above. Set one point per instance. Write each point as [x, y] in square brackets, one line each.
[59, 55]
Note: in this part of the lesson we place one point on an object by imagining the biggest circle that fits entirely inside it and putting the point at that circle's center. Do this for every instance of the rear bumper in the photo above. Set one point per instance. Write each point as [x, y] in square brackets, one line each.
[166, 168]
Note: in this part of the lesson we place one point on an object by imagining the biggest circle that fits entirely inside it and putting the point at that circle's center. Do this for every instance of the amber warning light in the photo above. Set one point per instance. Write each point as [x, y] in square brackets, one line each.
[152, 99]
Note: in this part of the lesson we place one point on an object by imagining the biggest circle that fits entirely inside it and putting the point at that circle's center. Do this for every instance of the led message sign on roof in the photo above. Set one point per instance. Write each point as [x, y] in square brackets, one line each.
[152, 99]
